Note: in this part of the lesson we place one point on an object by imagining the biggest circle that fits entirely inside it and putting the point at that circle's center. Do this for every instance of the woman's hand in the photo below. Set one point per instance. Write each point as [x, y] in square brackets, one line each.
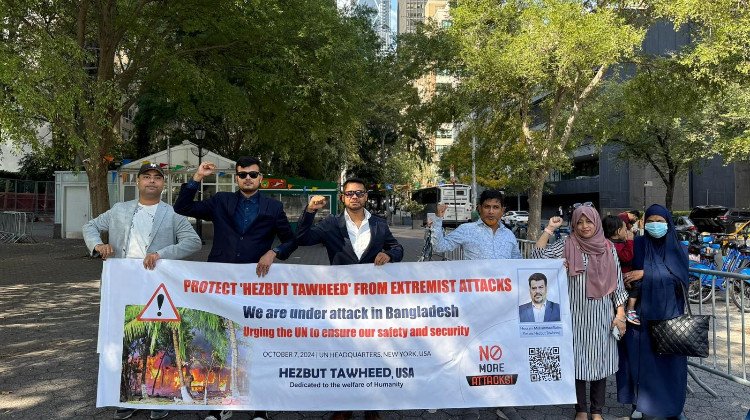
[621, 324]
[620, 321]
[632, 276]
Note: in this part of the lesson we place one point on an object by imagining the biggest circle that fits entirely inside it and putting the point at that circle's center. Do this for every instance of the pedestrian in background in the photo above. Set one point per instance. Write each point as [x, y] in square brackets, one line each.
[146, 229]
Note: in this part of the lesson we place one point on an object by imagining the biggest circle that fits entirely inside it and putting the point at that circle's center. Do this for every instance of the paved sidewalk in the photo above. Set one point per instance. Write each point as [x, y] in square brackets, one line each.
[49, 294]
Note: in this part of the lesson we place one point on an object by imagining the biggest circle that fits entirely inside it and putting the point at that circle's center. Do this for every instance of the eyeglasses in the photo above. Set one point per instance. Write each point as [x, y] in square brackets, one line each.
[358, 193]
[251, 174]
[150, 177]
[586, 204]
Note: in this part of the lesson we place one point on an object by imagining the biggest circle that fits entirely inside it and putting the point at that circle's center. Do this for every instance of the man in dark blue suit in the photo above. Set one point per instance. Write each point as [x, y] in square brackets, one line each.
[245, 225]
[353, 237]
[539, 309]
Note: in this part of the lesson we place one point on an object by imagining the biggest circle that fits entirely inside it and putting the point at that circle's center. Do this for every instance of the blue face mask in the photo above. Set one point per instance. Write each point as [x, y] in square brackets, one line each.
[656, 229]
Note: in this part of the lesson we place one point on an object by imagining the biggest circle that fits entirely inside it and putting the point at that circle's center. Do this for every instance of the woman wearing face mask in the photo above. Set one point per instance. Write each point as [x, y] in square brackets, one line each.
[655, 384]
[597, 298]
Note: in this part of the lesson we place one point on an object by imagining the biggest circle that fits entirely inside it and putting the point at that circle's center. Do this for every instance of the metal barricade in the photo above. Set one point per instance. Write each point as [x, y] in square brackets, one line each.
[526, 246]
[729, 330]
[16, 226]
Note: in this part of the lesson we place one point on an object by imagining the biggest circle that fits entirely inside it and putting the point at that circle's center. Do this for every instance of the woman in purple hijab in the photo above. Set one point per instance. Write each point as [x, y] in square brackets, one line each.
[655, 384]
[597, 299]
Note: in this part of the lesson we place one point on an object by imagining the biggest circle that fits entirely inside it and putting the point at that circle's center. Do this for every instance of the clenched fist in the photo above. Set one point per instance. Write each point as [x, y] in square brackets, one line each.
[555, 222]
[316, 203]
[205, 169]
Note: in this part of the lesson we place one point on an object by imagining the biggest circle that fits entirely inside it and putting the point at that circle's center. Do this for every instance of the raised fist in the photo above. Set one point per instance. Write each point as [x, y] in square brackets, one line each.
[205, 169]
[441, 208]
[316, 202]
[555, 222]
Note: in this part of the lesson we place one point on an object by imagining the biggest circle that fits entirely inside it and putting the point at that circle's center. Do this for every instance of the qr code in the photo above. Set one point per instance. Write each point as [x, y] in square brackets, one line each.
[544, 364]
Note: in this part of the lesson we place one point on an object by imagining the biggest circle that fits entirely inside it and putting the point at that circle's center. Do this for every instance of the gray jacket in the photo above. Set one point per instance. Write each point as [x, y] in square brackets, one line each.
[172, 235]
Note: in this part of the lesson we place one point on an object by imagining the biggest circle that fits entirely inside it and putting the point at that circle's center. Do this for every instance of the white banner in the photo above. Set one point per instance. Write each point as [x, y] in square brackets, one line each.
[318, 338]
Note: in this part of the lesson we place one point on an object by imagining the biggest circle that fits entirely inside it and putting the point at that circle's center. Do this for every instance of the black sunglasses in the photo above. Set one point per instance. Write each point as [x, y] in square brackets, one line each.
[358, 193]
[251, 174]
[586, 204]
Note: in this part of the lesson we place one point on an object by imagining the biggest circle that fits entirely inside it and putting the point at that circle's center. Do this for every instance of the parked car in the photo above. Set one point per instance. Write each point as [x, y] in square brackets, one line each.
[511, 217]
[707, 218]
[734, 218]
[686, 229]
[740, 236]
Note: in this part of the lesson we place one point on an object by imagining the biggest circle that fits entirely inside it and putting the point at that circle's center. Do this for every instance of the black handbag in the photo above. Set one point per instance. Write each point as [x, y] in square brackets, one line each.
[686, 335]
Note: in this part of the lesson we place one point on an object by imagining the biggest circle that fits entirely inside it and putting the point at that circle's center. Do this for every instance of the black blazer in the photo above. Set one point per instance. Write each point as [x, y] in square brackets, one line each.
[332, 233]
[230, 245]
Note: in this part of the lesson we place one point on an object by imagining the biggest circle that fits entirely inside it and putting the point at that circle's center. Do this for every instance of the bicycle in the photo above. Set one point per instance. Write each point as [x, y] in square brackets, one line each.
[702, 286]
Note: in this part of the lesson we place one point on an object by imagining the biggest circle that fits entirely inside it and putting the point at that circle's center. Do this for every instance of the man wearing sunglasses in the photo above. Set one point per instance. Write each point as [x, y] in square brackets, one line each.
[353, 237]
[245, 225]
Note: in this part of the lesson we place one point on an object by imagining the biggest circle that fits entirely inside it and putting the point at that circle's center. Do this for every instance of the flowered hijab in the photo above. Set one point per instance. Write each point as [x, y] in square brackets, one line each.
[601, 273]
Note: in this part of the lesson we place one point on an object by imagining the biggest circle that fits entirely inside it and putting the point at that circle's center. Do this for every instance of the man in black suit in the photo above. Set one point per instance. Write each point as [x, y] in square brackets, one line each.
[245, 225]
[353, 237]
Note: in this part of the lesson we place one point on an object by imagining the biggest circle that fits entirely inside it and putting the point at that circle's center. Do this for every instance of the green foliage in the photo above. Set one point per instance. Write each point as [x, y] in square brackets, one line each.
[664, 118]
[528, 70]
[721, 51]
[295, 83]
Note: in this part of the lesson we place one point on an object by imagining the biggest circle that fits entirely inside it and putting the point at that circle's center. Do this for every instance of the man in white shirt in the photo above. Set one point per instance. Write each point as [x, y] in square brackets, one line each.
[147, 229]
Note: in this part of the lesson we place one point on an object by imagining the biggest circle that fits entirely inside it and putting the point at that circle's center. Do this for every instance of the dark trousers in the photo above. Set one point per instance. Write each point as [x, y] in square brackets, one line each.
[597, 396]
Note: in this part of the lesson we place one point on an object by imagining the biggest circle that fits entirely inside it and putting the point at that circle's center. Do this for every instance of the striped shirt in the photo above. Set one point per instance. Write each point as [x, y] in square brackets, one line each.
[478, 240]
[594, 347]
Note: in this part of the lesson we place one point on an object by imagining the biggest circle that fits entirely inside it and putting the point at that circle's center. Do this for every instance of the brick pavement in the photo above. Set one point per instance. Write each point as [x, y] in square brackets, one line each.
[49, 294]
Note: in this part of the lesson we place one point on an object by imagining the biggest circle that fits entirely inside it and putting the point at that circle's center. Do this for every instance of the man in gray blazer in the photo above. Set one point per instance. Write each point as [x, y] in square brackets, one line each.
[146, 229]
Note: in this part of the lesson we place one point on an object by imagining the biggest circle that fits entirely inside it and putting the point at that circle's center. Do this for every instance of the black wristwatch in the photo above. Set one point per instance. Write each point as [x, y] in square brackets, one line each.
[277, 250]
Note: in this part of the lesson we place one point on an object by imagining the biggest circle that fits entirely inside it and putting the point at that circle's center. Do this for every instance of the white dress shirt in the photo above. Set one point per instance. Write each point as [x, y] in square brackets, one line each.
[359, 236]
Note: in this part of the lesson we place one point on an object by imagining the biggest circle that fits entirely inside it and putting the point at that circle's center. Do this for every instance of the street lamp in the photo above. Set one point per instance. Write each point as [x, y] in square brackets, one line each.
[646, 184]
[200, 134]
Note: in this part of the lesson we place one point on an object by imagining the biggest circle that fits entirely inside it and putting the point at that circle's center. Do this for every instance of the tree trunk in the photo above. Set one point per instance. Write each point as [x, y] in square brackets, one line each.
[144, 370]
[234, 367]
[96, 169]
[535, 203]
[669, 195]
[180, 374]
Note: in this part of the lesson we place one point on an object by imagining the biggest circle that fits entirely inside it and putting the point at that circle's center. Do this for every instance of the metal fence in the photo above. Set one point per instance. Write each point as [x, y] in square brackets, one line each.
[729, 328]
[36, 197]
[16, 226]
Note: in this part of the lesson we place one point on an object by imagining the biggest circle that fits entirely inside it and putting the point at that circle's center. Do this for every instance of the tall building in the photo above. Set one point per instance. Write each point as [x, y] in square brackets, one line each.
[381, 20]
[411, 13]
[433, 84]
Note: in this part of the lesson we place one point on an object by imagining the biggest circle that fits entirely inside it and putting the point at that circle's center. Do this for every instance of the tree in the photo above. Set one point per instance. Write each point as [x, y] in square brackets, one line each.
[530, 68]
[719, 53]
[78, 66]
[662, 117]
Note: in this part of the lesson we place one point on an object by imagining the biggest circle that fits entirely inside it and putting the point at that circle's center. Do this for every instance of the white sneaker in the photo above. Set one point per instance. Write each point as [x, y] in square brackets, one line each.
[636, 415]
[219, 415]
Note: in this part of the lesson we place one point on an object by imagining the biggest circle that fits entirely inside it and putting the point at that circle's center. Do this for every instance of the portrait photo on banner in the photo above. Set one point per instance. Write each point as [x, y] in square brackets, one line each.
[538, 296]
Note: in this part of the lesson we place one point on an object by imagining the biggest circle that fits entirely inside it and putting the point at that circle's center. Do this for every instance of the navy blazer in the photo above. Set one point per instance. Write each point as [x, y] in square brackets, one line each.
[332, 233]
[551, 312]
[230, 245]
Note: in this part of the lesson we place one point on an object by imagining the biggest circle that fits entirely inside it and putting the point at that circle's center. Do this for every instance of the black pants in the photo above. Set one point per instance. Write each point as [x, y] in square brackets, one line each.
[597, 396]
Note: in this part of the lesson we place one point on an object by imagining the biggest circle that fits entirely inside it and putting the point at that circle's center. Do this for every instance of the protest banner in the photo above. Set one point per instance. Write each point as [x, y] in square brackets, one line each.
[318, 338]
